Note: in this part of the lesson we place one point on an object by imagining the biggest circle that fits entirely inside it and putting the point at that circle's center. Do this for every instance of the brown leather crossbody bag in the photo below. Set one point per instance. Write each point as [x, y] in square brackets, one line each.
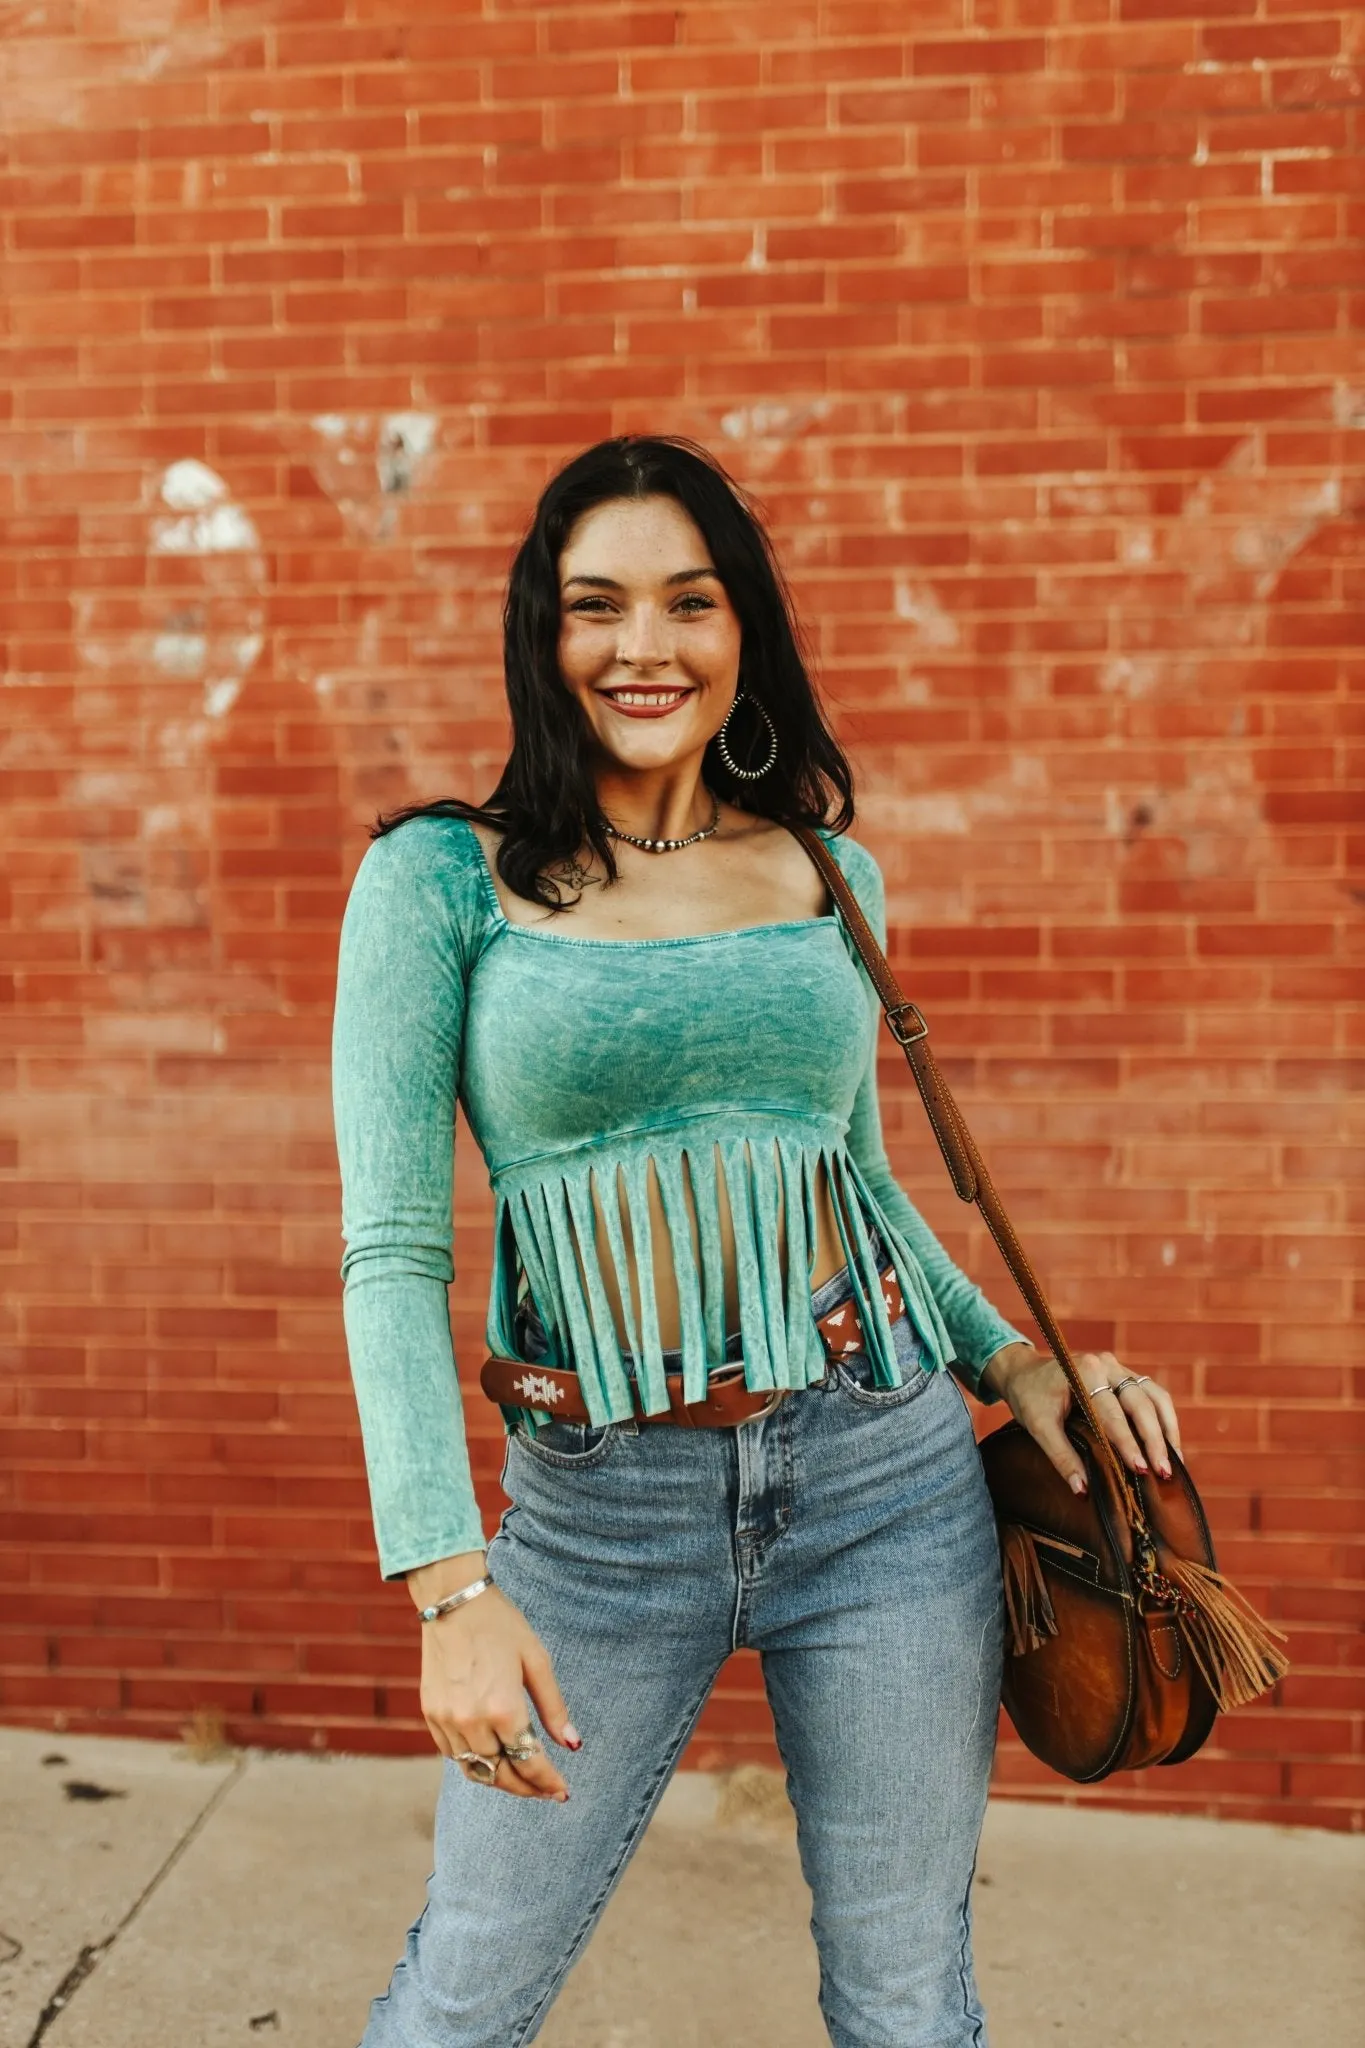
[1123, 1639]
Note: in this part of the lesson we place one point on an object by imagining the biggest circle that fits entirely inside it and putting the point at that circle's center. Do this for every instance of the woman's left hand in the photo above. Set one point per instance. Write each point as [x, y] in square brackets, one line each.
[1137, 1412]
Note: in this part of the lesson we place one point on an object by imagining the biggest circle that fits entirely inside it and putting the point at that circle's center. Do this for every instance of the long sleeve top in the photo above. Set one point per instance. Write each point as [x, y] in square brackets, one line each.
[587, 1064]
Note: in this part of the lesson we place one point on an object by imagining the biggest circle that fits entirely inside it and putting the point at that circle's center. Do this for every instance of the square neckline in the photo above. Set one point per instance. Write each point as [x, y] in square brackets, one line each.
[739, 931]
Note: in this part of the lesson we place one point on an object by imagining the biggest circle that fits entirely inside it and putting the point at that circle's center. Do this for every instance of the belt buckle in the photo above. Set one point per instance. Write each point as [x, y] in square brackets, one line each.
[776, 1396]
[733, 1369]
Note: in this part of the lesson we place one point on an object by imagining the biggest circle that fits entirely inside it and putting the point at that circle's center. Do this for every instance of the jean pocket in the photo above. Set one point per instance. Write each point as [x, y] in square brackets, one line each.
[854, 1372]
[852, 1383]
[566, 1444]
[868, 1395]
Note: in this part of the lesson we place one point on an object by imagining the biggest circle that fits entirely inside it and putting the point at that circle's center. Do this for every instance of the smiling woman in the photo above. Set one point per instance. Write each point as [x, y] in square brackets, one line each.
[642, 650]
[661, 649]
[695, 611]
[650, 646]
[720, 1329]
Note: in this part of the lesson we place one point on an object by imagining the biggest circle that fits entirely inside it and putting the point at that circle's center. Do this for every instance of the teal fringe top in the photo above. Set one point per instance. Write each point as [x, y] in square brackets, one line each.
[748, 1053]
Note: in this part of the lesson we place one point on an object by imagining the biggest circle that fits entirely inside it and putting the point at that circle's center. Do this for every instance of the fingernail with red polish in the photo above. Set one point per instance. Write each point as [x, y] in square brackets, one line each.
[571, 1736]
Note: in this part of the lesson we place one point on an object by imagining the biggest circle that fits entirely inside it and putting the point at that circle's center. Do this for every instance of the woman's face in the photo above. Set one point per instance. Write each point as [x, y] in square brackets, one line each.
[648, 638]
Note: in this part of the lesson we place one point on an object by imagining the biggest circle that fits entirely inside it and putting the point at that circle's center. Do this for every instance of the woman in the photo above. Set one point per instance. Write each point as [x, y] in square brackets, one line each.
[731, 1423]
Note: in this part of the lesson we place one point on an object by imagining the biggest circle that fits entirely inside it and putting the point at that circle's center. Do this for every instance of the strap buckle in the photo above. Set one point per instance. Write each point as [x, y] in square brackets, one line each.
[903, 1037]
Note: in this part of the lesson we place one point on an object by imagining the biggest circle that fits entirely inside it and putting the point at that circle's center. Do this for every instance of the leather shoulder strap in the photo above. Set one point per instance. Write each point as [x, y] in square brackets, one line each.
[964, 1162]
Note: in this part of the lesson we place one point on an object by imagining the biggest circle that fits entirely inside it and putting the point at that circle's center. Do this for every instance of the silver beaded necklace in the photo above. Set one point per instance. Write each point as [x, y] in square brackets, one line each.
[668, 845]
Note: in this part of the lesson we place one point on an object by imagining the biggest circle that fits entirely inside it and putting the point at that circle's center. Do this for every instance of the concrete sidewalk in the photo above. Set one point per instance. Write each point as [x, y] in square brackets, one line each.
[149, 1901]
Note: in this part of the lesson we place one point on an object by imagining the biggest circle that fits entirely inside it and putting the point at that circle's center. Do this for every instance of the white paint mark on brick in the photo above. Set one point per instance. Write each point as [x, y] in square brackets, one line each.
[212, 525]
[417, 430]
[1234, 536]
[219, 697]
[1020, 789]
[223, 530]
[47, 80]
[1132, 675]
[1267, 545]
[365, 461]
[918, 605]
[246, 651]
[180, 654]
[163, 821]
[405, 440]
[1113, 498]
[190, 486]
[1239, 527]
[771, 421]
[202, 632]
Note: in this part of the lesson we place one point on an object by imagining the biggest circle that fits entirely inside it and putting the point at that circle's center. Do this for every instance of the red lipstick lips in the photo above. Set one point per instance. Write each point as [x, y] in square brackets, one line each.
[648, 703]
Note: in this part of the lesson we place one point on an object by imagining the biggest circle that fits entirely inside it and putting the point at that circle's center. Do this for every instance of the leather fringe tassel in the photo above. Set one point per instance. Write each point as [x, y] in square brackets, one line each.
[1234, 1649]
[1028, 1605]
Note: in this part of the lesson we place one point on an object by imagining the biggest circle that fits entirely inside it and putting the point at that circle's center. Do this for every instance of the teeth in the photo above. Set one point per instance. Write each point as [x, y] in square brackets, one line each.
[652, 698]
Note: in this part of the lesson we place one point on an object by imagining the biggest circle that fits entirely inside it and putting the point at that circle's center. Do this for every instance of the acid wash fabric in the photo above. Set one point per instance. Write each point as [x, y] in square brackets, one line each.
[584, 1066]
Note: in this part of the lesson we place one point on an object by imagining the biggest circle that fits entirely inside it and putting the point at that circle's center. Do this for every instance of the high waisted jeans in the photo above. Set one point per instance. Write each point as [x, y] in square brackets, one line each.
[847, 1537]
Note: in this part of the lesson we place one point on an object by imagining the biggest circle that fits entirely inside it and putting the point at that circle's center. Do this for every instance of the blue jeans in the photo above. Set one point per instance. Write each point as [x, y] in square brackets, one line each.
[848, 1537]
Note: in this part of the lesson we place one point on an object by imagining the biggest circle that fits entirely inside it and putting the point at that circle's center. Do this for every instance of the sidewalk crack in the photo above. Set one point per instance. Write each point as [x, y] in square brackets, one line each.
[92, 1954]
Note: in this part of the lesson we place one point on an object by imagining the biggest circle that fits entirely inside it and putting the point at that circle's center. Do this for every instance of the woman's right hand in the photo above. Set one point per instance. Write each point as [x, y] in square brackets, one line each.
[479, 1662]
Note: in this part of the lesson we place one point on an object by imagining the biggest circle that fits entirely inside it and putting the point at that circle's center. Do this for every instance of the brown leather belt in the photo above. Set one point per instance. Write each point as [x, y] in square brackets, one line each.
[513, 1383]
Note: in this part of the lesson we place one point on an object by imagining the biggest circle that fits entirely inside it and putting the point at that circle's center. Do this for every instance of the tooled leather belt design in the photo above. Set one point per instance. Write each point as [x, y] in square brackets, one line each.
[514, 1384]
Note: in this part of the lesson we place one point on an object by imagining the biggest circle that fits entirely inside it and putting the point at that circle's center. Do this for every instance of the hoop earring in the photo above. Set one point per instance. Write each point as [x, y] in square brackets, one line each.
[723, 746]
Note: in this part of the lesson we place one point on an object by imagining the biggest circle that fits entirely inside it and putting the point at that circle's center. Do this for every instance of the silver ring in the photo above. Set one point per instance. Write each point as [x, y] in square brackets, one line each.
[1105, 1389]
[522, 1747]
[482, 1769]
[522, 1754]
[1131, 1381]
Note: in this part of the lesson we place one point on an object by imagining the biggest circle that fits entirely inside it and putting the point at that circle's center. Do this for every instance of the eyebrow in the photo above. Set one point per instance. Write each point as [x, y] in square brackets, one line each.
[610, 583]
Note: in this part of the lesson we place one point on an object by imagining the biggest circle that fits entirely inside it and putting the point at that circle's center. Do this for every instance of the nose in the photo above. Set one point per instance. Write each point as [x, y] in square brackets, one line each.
[642, 642]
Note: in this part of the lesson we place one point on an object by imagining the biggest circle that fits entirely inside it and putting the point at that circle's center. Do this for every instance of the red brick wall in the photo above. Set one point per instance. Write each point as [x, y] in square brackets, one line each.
[1031, 323]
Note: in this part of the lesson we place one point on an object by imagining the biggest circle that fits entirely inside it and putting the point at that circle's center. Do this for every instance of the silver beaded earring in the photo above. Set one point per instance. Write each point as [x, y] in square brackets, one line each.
[723, 745]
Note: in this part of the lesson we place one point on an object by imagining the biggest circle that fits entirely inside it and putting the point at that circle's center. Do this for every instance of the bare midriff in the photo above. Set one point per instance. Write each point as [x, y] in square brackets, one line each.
[829, 1255]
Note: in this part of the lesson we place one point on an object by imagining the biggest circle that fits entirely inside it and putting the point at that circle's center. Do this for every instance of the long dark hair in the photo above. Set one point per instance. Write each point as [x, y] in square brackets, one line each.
[545, 805]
